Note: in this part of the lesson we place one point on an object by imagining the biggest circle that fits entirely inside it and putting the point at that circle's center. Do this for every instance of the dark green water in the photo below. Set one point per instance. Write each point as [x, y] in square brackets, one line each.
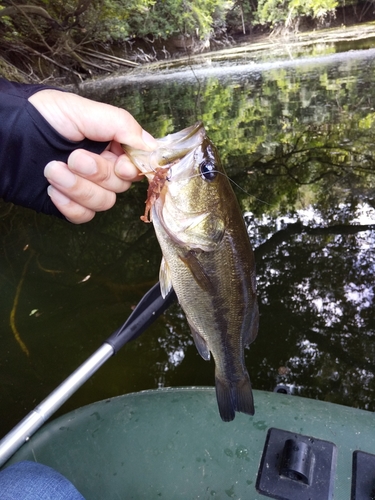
[298, 138]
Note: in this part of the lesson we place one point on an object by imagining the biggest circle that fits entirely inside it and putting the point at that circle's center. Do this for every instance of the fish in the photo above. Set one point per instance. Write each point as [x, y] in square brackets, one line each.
[207, 255]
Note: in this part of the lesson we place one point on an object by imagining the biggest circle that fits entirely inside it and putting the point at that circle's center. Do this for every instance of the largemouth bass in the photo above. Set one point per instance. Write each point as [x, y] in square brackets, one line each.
[207, 256]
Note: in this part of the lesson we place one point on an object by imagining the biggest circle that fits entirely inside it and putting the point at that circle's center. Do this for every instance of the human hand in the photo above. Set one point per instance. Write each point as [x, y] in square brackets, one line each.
[88, 183]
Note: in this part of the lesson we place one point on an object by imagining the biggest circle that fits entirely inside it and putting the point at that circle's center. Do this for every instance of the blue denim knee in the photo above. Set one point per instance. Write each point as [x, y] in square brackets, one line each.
[34, 481]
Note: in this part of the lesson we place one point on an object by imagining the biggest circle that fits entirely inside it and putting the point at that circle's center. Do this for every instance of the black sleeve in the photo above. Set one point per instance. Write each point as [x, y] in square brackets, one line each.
[27, 143]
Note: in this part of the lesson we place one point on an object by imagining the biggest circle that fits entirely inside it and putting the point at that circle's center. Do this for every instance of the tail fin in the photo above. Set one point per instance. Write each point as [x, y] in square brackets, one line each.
[234, 396]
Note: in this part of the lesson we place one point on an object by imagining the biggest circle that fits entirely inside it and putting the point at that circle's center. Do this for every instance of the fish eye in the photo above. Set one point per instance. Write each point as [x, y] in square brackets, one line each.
[207, 170]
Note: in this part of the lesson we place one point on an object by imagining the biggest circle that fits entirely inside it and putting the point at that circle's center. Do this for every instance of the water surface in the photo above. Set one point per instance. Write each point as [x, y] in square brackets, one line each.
[297, 137]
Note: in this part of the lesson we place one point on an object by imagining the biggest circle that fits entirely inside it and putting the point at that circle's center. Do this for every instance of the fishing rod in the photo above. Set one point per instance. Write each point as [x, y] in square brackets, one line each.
[149, 308]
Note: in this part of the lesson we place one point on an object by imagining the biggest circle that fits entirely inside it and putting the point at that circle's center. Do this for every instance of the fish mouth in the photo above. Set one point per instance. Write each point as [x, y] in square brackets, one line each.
[174, 147]
[187, 138]
[170, 151]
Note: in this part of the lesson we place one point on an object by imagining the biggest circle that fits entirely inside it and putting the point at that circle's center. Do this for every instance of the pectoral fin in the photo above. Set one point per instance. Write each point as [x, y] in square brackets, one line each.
[200, 344]
[165, 278]
[190, 259]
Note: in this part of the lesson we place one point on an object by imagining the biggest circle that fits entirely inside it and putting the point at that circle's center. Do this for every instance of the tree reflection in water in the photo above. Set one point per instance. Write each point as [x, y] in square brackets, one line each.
[316, 293]
[299, 143]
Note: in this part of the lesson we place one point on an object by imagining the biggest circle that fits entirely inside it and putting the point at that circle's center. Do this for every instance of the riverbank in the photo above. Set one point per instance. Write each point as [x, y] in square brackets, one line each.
[250, 50]
[273, 45]
[150, 57]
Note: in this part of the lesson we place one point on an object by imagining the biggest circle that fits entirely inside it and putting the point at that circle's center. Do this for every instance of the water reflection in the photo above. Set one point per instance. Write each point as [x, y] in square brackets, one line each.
[298, 140]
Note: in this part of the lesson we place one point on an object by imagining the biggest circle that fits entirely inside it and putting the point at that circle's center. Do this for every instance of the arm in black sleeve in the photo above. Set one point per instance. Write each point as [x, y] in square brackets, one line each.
[27, 143]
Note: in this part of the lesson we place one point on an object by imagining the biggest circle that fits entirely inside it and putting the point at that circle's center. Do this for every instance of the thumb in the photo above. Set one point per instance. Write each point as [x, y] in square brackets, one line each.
[77, 117]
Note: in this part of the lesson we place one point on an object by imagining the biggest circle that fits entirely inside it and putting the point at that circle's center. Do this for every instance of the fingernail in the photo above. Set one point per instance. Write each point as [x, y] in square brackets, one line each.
[125, 169]
[58, 173]
[57, 197]
[83, 164]
[149, 140]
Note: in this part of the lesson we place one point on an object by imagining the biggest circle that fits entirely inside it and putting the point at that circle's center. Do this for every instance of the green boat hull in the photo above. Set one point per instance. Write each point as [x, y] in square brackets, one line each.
[172, 444]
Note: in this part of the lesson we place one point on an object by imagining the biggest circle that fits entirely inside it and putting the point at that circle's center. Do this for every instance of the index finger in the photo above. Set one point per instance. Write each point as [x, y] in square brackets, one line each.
[107, 169]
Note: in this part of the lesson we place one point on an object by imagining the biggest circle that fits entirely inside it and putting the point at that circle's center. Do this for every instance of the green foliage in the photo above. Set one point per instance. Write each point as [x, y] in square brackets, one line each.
[50, 23]
[242, 13]
[121, 20]
[172, 17]
[49, 37]
[274, 12]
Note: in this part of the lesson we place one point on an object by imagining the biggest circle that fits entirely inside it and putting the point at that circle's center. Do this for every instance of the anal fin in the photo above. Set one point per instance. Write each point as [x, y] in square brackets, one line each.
[200, 344]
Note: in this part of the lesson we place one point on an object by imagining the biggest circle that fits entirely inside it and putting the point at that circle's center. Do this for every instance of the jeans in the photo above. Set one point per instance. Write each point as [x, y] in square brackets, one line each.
[33, 481]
